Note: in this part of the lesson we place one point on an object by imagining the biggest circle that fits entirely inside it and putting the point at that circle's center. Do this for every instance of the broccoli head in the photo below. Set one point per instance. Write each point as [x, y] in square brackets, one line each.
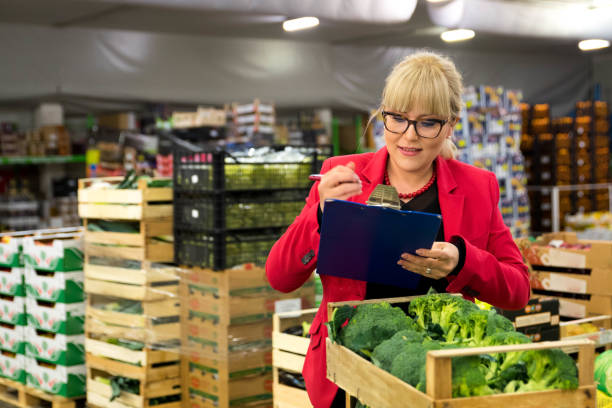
[372, 324]
[409, 365]
[388, 350]
[549, 369]
[468, 378]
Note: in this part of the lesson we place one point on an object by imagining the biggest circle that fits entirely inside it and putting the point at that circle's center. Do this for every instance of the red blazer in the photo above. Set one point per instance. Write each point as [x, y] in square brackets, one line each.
[493, 271]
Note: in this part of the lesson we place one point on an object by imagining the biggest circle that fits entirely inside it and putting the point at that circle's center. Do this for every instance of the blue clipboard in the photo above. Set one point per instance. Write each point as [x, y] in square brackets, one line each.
[365, 242]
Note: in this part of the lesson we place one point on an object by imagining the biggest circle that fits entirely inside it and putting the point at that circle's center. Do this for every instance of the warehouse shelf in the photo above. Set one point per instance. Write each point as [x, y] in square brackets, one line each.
[27, 160]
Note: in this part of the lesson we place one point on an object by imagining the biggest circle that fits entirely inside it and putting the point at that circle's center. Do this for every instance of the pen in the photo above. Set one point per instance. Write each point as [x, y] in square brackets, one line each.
[315, 177]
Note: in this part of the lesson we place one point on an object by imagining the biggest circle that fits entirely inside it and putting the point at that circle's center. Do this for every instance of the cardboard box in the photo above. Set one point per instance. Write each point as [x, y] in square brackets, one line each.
[59, 380]
[61, 256]
[576, 308]
[570, 280]
[13, 366]
[49, 114]
[119, 121]
[12, 281]
[12, 338]
[55, 348]
[598, 255]
[10, 253]
[64, 287]
[549, 333]
[12, 310]
[64, 318]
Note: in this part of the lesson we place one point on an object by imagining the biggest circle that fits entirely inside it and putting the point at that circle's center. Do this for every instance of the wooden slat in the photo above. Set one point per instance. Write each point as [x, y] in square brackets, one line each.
[583, 397]
[128, 370]
[111, 211]
[288, 342]
[439, 377]
[122, 252]
[362, 379]
[288, 361]
[586, 364]
[104, 349]
[116, 318]
[149, 335]
[133, 292]
[290, 397]
[130, 276]
[473, 351]
[162, 388]
[115, 238]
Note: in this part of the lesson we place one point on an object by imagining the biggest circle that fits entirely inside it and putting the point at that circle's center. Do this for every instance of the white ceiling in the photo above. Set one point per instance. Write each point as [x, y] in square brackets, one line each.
[181, 17]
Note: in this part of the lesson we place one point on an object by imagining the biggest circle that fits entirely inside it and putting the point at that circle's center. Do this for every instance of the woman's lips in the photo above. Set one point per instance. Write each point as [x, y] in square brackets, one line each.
[409, 151]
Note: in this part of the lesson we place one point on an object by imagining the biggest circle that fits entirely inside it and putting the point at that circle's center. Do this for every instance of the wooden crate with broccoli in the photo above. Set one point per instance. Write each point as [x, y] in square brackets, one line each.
[125, 198]
[449, 353]
[289, 345]
[126, 374]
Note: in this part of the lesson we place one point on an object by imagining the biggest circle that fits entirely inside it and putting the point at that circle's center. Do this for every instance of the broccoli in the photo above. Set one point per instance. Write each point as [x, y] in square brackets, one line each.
[516, 374]
[372, 324]
[501, 362]
[338, 319]
[409, 365]
[497, 323]
[549, 368]
[438, 314]
[388, 350]
[468, 379]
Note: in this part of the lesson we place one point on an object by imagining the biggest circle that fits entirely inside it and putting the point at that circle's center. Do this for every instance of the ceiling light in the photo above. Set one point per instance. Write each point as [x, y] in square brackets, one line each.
[436, 1]
[301, 23]
[593, 44]
[602, 3]
[460, 34]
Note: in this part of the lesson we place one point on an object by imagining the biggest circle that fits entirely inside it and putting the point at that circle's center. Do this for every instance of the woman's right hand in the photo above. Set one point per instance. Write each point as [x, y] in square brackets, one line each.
[340, 183]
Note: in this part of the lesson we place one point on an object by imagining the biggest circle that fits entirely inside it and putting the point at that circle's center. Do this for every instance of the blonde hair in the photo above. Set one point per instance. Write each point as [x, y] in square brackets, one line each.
[429, 82]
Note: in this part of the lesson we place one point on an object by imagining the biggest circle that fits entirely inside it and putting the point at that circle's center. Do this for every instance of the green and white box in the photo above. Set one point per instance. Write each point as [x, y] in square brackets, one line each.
[10, 253]
[64, 287]
[12, 281]
[12, 338]
[13, 366]
[12, 310]
[55, 348]
[60, 380]
[61, 256]
[64, 318]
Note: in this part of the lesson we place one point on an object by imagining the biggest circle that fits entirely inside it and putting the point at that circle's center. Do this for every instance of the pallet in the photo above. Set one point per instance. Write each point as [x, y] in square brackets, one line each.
[155, 381]
[289, 353]
[134, 204]
[20, 395]
[362, 379]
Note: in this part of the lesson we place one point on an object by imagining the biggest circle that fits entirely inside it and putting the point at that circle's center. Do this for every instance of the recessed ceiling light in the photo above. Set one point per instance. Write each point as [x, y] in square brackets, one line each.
[301, 23]
[436, 1]
[593, 44]
[460, 34]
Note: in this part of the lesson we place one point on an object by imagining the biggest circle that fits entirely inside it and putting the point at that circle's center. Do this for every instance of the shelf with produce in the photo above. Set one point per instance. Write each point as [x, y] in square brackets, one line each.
[35, 160]
[598, 329]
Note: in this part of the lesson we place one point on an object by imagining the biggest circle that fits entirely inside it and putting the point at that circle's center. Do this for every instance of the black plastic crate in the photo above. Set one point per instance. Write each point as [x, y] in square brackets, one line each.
[222, 212]
[219, 170]
[223, 250]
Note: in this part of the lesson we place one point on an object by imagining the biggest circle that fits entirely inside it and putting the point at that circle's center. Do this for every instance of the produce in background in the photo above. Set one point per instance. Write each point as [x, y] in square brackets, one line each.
[398, 343]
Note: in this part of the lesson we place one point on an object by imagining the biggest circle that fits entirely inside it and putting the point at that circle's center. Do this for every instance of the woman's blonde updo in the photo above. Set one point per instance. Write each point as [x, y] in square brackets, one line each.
[428, 82]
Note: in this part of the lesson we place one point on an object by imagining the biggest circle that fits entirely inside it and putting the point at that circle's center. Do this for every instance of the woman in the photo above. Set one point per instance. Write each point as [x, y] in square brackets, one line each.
[474, 253]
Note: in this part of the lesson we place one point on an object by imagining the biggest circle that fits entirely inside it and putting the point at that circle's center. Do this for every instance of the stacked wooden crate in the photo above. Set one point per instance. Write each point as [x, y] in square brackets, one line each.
[227, 335]
[288, 355]
[577, 272]
[132, 328]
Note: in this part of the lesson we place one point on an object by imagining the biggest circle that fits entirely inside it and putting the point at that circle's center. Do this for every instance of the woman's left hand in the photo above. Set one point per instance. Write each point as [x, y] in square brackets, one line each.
[434, 263]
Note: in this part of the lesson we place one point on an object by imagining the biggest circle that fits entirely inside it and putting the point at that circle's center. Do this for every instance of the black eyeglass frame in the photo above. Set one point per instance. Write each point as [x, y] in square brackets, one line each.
[409, 122]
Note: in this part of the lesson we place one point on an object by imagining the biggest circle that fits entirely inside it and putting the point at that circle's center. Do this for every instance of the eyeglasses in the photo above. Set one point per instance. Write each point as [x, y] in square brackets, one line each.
[426, 128]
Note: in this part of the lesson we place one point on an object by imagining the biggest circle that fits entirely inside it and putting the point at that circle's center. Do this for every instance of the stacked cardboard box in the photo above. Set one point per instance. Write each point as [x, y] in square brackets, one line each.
[226, 320]
[488, 136]
[539, 320]
[55, 356]
[255, 121]
[573, 271]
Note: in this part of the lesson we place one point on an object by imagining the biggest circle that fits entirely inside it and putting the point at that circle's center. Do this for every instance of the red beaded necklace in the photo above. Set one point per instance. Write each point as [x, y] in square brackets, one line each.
[419, 191]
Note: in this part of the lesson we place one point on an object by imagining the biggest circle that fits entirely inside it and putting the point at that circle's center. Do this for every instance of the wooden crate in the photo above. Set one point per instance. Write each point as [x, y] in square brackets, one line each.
[362, 379]
[139, 246]
[159, 322]
[106, 360]
[289, 352]
[149, 273]
[144, 203]
[123, 288]
[601, 338]
[15, 394]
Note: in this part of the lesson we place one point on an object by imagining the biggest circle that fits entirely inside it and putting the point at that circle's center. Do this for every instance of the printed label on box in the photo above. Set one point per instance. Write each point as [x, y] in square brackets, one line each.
[560, 283]
[531, 320]
[288, 305]
[65, 381]
[567, 308]
[559, 257]
[11, 282]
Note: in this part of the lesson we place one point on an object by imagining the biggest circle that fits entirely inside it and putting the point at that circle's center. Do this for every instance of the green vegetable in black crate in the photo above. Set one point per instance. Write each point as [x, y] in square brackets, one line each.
[131, 179]
[398, 343]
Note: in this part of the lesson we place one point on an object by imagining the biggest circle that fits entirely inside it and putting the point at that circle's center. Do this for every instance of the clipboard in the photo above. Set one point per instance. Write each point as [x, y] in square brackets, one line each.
[365, 242]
